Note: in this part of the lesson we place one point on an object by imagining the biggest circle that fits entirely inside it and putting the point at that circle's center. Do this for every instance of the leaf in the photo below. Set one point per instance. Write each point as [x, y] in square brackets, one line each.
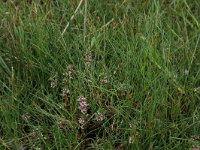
[4, 67]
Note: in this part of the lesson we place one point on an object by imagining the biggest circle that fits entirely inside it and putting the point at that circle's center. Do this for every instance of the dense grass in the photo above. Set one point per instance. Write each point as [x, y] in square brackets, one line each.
[137, 62]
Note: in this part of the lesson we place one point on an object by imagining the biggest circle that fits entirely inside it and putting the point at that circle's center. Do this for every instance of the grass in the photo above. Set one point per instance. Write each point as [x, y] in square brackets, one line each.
[136, 63]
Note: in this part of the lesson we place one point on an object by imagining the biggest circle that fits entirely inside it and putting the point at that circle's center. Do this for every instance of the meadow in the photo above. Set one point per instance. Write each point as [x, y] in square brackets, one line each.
[99, 74]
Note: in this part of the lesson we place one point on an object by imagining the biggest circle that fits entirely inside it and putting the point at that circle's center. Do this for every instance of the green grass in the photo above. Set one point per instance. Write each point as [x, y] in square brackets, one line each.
[144, 75]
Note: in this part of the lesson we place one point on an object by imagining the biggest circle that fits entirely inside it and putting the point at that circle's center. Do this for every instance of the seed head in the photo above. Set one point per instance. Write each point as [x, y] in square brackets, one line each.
[88, 58]
[130, 141]
[53, 83]
[104, 80]
[65, 92]
[99, 116]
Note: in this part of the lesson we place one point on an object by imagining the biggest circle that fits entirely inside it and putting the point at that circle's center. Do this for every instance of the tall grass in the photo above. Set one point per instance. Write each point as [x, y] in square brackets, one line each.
[135, 63]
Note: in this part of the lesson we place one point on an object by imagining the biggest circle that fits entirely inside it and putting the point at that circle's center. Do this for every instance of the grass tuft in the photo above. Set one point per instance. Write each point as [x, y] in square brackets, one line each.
[99, 74]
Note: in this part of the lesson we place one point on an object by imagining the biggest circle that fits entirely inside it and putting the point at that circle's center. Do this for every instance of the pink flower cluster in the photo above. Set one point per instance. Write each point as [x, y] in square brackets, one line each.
[81, 121]
[83, 105]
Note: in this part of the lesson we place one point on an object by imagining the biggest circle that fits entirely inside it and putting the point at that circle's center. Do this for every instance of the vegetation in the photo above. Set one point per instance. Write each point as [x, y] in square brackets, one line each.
[99, 74]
